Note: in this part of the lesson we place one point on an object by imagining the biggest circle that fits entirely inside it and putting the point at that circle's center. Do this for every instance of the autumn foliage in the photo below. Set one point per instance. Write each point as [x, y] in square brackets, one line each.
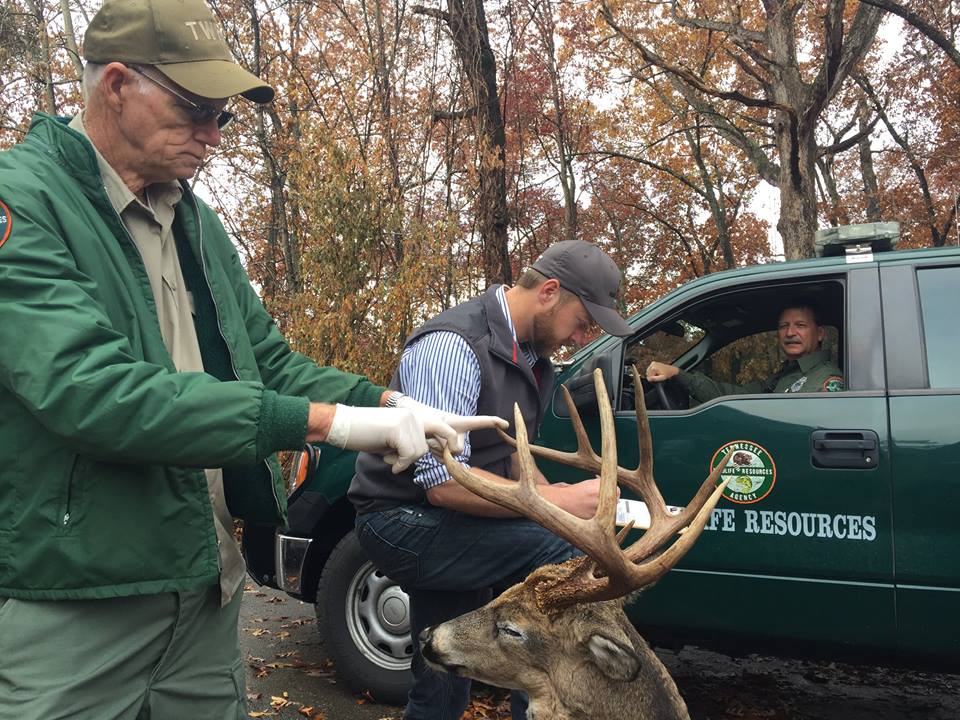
[358, 197]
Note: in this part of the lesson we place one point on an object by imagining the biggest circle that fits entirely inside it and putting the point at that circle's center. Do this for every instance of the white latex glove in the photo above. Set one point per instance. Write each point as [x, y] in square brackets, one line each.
[459, 424]
[396, 433]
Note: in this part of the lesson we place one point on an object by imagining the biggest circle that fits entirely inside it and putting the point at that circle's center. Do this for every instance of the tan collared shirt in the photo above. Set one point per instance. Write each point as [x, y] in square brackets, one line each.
[150, 224]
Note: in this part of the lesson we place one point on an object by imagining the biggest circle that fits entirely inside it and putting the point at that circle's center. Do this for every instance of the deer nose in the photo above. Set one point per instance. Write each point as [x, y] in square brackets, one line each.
[426, 648]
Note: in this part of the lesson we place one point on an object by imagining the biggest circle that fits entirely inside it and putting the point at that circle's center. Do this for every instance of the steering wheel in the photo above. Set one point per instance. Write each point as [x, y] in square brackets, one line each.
[666, 403]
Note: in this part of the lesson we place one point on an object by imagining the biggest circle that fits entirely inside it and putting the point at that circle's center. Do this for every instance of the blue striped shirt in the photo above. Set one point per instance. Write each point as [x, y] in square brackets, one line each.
[440, 369]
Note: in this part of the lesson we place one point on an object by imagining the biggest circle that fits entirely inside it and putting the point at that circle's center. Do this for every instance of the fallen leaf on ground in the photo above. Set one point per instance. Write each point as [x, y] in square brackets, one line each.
[279, 702]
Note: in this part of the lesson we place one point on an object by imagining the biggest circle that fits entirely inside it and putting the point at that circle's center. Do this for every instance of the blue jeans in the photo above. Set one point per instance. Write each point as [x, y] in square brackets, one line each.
[450, 563]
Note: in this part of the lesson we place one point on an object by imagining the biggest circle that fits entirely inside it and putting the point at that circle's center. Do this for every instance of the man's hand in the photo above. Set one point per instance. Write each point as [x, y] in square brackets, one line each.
[580, 498]
[397, 434]
[447, 429]
[660, 372]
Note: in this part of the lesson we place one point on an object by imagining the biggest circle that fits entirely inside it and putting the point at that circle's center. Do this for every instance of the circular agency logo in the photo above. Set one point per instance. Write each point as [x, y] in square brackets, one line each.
[750, 473]
[6, 222]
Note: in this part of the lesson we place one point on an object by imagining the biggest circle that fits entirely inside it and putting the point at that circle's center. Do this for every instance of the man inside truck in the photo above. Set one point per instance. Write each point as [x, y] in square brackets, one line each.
[807, 366]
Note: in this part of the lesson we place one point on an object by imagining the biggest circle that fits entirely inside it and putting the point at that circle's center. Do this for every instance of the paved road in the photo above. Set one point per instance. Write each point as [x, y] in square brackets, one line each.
[288, 675]
[279, 640]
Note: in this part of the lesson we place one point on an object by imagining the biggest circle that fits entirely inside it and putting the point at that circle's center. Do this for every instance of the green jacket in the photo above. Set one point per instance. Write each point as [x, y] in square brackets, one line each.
[813, 372]
[101, 441]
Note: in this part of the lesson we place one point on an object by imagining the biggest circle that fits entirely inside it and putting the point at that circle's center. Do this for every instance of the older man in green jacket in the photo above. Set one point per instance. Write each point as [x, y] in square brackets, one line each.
[144, 390]
[806, 367]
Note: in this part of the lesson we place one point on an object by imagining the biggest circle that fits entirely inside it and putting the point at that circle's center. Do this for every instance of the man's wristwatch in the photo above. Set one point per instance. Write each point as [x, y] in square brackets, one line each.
[393, 399]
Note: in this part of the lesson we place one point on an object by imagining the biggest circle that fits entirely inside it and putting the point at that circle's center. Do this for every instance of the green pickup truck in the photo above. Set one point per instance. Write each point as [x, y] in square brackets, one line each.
[839, 530]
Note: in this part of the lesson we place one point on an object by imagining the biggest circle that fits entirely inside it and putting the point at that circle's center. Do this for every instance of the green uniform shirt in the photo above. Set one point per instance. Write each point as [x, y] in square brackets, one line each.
[812, 372]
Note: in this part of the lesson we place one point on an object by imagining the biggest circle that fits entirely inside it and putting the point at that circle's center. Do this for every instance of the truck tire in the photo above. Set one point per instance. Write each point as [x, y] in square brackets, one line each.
[364, 620]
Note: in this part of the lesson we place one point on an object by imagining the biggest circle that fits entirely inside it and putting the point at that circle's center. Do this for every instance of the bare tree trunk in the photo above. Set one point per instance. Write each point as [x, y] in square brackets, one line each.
[871, 188]
[937, 238]
[543, 17]
[383, 64]
[467, 23]
[835, 213]
[70, 38]
[46, 100]
[279, 238]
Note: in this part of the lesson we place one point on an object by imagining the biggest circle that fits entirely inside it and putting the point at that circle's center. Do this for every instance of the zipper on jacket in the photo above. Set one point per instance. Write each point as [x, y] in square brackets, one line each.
[216, 309]
[68, 501]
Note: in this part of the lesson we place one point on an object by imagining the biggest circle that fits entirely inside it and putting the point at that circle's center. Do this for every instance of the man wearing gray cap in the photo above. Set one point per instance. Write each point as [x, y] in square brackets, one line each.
[144, 390]
[445, 546]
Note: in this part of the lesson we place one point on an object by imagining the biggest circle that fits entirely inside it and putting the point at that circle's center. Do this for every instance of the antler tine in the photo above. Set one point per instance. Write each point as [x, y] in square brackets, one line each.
[606, 513]
[608, 571]
[585, 586]
[584, 458]
[663, 525]
[524, 499]
[582, 585]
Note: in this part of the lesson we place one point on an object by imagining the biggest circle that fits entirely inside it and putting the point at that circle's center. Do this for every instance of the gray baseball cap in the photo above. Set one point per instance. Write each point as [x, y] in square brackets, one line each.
[180, 38]
[589, 273]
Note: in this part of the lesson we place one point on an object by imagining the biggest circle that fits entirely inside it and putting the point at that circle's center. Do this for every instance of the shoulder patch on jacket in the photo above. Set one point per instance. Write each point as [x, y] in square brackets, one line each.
[6, 222]
[833, 383]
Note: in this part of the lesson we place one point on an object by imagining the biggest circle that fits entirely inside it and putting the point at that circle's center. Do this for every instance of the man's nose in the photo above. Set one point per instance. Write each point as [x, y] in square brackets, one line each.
[208, 133]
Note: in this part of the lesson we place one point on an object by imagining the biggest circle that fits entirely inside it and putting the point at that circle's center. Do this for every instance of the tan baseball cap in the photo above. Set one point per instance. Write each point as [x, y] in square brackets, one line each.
[180, 38]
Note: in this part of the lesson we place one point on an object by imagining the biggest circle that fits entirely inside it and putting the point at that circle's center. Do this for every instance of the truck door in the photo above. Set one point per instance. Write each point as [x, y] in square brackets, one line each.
[922, 351]
[800, 547]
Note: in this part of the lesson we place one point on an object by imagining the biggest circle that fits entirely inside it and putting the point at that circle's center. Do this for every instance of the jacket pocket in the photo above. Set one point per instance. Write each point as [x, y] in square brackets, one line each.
[67, 515]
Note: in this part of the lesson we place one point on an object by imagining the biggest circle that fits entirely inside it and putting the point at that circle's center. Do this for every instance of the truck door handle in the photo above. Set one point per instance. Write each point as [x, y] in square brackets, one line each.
[853, 449]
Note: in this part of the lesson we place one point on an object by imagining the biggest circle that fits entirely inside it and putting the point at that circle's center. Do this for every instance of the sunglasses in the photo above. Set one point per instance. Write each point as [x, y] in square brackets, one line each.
[199, 114]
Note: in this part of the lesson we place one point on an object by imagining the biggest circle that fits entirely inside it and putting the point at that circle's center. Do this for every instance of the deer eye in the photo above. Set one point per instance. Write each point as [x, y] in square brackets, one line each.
[508, 630]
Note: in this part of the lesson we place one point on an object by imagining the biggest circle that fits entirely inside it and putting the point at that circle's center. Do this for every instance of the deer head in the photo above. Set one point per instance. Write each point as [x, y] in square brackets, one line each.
[561, 634]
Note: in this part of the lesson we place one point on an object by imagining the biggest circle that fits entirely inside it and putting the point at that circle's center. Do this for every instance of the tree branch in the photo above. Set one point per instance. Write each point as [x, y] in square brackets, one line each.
[432, 12]
[685, 75]
[920, 24]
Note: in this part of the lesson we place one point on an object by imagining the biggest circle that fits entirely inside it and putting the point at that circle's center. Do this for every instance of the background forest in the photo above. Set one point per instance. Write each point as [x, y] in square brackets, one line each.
[416, 153]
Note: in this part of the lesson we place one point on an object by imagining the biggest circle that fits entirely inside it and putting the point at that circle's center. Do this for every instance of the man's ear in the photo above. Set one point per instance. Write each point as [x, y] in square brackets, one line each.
[821, 334]
[115, 85]
[613, 656]
[548, 292]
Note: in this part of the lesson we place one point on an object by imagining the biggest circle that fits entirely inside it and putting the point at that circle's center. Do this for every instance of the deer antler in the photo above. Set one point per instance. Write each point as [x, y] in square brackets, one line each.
[611, 571]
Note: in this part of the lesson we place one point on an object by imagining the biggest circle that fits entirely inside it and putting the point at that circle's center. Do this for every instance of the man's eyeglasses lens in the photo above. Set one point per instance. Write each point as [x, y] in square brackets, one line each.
[199, 114]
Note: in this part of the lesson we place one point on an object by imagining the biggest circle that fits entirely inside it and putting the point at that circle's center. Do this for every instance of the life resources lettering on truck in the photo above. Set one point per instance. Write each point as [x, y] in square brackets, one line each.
[751, 475]
[794, 523]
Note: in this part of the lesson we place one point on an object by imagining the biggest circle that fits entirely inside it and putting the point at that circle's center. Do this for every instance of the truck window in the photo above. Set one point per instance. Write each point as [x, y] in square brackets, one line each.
[670, 341]
[730, 337]
[939, 300]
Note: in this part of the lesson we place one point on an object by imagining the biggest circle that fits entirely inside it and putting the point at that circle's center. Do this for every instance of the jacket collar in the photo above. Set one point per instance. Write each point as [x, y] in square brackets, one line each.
[71, 148]
[811, 360]
[502, 341]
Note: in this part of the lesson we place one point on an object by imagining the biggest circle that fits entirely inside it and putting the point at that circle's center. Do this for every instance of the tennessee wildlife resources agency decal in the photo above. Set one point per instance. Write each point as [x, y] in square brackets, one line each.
[750, 473]
[6, 222]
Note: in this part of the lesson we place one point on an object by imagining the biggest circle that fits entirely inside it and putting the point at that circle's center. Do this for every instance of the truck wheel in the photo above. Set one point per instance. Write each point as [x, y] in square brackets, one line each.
[364, 619]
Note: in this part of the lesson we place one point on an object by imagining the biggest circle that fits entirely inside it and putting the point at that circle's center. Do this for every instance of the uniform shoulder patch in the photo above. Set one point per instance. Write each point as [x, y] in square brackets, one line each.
[6, 222]
[832, 383]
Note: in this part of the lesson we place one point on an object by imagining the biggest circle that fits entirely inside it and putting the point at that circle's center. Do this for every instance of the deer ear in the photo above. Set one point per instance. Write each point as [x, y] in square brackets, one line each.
[613, 658]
